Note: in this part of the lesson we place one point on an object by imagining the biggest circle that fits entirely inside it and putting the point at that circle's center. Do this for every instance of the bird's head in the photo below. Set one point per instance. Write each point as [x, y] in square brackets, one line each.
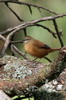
[26, 39]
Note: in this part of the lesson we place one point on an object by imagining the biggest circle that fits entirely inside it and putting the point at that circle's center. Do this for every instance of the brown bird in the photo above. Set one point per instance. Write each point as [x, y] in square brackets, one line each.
[37, 48]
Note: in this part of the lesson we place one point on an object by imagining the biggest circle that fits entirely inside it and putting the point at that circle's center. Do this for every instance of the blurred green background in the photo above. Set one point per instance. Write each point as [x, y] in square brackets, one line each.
[7, 20]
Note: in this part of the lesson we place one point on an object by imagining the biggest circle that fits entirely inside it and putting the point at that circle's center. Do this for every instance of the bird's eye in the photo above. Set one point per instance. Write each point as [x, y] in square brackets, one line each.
[27, 39]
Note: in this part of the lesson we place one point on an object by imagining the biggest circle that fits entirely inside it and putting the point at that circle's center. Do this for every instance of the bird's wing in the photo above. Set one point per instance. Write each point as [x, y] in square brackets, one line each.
[41, 45]
[45, 46]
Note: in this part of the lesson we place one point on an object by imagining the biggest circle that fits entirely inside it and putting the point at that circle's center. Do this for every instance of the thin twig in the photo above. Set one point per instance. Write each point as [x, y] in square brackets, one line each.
[6, 44]
[14, 49]
[18, 41]
[25, 32]
[13, 12]
[49, 30]
[57, 31]
[28, 4]
[30, 9]
[2, 38]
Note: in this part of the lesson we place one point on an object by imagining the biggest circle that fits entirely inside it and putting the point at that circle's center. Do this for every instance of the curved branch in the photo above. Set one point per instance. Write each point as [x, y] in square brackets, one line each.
[23, 26]
[13, 12]
[28, 4]
[31, 23]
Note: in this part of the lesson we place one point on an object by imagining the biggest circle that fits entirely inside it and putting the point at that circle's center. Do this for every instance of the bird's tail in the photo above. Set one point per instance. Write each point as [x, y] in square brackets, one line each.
[55, 49]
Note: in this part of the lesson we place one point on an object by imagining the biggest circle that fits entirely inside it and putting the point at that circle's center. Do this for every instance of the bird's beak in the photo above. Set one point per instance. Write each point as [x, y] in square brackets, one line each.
[23, 41]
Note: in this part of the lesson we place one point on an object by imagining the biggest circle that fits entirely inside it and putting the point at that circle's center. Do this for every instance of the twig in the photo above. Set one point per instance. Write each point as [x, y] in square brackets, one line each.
[24, 25]
[14, 49]
[49, 30]
[27, 4]
[2, 38]
[7, 31]
[30, 9]
[25, 32]
[18, 41]
[13, 12]
[31, 23]
[7, 42]
[57, 31]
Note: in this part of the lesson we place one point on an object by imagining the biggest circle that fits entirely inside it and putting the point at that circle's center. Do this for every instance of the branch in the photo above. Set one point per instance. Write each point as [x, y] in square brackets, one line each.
[13, 12]
[7, 42]
[27, 4]
[55, 89]
[58, 33]
[14, 50]
[22, 75]
[2, 38]
[30, 9]
[7, 31]
[49, 30]
[23, 26]
[32, 23]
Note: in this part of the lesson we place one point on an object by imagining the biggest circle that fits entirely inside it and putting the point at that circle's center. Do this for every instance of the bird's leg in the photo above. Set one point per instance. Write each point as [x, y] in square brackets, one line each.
[36, 62]
[32, 63]
[35, 59]
[47, 59]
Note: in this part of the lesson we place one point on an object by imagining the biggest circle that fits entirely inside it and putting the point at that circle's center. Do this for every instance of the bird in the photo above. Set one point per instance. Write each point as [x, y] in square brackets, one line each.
[37, 48]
